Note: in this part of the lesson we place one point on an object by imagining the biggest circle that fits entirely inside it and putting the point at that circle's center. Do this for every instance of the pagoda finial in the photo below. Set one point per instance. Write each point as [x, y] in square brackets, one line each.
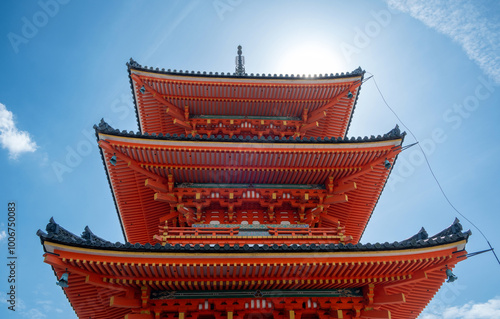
[240, 63]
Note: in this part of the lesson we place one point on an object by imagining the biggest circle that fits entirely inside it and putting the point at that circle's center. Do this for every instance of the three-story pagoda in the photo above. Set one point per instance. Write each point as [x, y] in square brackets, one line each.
[242, 197]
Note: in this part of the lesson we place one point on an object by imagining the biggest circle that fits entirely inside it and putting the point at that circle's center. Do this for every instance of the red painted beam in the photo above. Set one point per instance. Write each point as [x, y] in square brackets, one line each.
[381, 299]
[344, 188]
[168, 198]
[174, 113]
[157, 186]
[375, 314]
[170, 216]
[308, 126]
[182, 124]
[335, 199]
[123, 302]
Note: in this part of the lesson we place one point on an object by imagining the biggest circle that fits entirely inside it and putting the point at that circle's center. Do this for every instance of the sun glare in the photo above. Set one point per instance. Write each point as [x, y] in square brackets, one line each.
[311, 59]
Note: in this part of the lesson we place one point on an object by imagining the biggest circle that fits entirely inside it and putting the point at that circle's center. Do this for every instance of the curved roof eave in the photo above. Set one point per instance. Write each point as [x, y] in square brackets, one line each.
[58, 234]
[105, 128]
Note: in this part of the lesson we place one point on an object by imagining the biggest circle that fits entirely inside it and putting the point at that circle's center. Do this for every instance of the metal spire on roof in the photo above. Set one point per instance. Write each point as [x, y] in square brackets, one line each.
[240, 63]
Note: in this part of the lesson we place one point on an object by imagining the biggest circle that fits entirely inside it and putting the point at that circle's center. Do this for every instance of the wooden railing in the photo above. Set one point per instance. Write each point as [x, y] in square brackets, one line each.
[235, 235]
[199, 231]
[278, 231]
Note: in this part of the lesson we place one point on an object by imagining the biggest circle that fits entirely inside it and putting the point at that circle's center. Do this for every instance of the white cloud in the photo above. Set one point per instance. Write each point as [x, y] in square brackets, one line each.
[487, 310]
[16, 141]
[3, 235]
[464, 22]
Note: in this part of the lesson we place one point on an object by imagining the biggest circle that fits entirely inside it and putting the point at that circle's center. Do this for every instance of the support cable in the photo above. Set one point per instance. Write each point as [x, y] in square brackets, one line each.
[434, 175]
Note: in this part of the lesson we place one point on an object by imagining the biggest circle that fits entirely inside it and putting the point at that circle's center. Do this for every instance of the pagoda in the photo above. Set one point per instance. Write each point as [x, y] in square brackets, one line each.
[241, 196]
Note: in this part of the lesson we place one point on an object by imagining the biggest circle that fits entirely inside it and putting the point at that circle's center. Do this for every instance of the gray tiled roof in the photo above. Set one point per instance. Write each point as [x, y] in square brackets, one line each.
[58, 234]
[132, 64]
[105, 128]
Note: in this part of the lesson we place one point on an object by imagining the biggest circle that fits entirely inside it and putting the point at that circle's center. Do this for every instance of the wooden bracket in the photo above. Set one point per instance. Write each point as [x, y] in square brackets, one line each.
[375, 314]
[168, 198]
[335, 199]
[156, 186]
[381, 299]
[124, 302]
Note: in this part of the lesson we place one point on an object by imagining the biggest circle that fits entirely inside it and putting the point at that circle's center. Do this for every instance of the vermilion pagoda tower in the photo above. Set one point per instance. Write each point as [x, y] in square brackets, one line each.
[242, 197]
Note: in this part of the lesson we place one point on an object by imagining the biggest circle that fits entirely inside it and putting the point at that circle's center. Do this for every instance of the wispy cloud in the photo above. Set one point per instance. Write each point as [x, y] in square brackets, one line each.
[476, 29]
[3, 235]
[43, 309]
[33, 313]
[48, 306]
[21, 309]
[172, 26]
[471, 310]
[14, 140]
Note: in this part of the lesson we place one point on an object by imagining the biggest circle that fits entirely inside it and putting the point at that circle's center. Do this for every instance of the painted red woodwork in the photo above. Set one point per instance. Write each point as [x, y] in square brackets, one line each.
[353, 175]
[247, 200]
[123, 280]
[166, 96]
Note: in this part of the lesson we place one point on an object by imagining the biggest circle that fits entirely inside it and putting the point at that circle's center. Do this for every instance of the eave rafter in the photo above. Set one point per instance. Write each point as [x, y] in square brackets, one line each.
[248, 168]
[321, 112]
[134, 165]
[91, 277]
[370, 166]
[173, 110]
[125, 297]
[126, 273]
[349, 171]
[242, 99]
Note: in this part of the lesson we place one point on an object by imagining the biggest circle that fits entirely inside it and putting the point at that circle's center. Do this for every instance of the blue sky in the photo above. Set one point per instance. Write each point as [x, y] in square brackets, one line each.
[63, 69]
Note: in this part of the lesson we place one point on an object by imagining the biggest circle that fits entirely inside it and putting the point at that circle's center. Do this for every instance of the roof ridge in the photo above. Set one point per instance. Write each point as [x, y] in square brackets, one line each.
[132, 64]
